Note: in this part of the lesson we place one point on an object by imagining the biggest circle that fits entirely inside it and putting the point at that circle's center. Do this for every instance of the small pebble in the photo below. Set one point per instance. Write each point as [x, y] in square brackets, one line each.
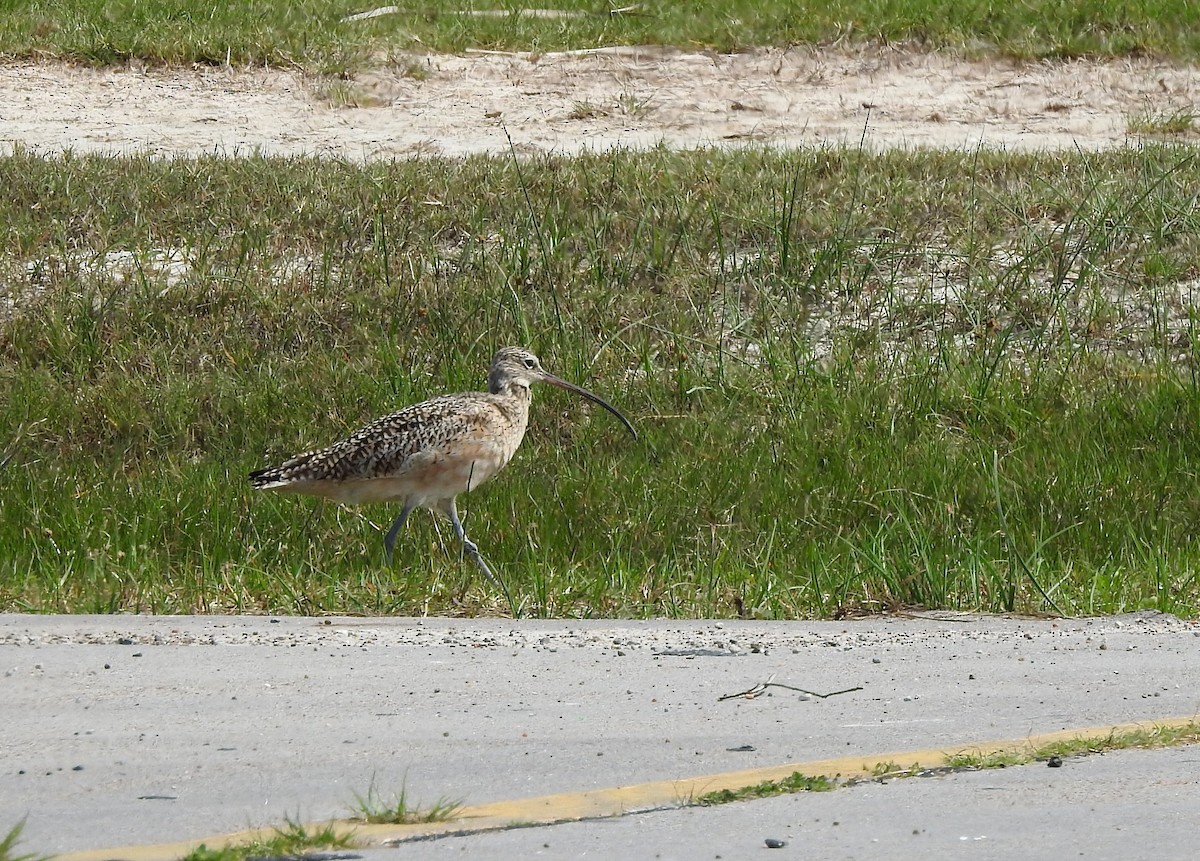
[773, 843]
[1054, 762]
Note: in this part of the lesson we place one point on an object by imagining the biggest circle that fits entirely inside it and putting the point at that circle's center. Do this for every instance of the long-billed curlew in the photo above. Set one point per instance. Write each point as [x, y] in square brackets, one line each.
[426, 454]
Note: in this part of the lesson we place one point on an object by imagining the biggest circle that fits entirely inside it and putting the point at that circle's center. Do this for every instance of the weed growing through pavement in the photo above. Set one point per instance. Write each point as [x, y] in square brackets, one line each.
[1141, 739]
[8, 846]
[1151, 737]
[291, 840]
[397, 810]
[795, 782]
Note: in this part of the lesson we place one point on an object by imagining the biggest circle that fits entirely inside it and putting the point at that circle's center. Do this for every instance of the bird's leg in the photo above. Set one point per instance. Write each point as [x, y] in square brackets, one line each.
[389, 540]
[469, 546]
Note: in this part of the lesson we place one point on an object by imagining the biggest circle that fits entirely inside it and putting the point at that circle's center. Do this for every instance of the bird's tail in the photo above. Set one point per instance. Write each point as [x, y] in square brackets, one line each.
[282, 475]
[261, 478]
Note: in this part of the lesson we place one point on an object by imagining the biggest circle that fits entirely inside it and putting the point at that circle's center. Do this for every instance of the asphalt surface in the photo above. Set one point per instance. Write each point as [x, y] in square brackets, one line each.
[125, 730]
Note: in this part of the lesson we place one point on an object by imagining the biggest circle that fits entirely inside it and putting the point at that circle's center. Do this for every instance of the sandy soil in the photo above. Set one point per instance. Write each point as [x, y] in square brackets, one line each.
[631, 97]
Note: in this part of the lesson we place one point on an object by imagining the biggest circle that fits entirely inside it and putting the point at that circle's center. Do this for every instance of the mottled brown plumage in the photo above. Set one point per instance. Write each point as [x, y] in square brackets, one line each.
[426, 454]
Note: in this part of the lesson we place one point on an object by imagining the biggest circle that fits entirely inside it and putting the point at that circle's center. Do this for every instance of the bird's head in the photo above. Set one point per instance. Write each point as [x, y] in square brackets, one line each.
[514, 366]
[517, 367]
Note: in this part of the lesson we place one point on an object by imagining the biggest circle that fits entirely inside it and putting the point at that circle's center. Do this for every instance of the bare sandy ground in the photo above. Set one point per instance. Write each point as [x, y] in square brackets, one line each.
[626, 97]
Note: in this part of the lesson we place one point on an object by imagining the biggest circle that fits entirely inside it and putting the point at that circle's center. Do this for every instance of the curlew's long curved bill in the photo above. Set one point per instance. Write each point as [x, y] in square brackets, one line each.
[571, 387]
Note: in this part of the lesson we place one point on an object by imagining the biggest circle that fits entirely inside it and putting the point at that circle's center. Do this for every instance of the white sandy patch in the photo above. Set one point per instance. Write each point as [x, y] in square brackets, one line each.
[569, 102]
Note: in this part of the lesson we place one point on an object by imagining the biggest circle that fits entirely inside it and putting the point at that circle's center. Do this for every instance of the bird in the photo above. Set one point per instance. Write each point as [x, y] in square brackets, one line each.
[426, 454]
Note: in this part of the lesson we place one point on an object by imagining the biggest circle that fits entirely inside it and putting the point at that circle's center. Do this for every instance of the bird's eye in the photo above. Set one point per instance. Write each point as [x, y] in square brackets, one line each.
[531, 363]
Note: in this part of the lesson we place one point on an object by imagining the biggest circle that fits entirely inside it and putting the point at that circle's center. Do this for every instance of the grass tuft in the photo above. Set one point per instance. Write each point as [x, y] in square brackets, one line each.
[1151, 737]
[795, 782]
[290, 841]
[1178, 122]
[374, 808]
[8, 846]
[1140, 739]
[341, 93]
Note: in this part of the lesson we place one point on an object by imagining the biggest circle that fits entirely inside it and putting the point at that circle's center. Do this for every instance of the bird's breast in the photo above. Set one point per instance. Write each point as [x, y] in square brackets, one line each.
[441, 472]
[460, 468]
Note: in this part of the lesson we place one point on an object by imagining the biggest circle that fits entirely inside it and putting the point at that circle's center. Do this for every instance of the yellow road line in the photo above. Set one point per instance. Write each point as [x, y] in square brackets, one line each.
[616, 801]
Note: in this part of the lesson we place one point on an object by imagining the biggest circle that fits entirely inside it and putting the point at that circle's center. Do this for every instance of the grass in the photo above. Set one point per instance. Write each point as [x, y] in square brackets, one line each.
[861, 381]
[338, 93]
[585, 110]
[312, 33]
[795, 782]
[289, 841]
[293, 839]
[8, 846]
[1177, 122]
[1141, 739]
[375, 809]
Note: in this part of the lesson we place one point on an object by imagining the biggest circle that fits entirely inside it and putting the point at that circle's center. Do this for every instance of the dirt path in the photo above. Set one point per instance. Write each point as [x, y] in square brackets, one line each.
[571, 102]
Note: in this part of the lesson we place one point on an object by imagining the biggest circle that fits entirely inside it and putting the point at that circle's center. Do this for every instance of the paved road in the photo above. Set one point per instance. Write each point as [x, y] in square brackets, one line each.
[119, 730]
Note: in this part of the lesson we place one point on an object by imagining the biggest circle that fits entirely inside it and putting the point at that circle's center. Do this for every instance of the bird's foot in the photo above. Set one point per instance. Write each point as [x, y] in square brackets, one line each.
[472, 550]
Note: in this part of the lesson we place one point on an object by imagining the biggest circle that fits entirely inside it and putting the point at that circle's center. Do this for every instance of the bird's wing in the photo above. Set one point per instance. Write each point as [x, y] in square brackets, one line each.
[387, 445]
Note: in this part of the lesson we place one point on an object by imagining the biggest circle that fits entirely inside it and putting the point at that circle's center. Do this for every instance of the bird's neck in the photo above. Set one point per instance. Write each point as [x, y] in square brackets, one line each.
[513, 402]
[519, 396]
